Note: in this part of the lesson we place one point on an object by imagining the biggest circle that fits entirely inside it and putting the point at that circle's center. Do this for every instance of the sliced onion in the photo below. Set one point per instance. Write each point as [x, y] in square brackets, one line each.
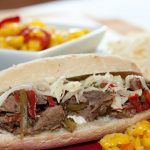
[67, 96]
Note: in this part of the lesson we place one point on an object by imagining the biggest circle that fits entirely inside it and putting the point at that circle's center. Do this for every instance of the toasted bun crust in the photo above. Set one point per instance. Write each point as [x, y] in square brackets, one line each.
[69, 66]
[85, 132]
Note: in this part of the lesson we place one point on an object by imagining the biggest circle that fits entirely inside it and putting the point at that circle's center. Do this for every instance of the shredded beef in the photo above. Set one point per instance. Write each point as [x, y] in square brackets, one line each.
[10, 122]
[10, 105]
[41, 99]
[98, 103]
[123, 113]
[51, 118]
[105, 107]
[88, 114]
[93, 104]
[97, 98]
[10, 118]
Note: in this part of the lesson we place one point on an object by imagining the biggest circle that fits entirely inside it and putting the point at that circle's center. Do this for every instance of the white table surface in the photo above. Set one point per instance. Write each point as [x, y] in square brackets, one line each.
[73, 11]
[134, 11]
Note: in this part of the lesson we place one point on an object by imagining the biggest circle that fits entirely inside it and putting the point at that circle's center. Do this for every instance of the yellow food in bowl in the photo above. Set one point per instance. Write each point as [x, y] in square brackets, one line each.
[136, 137]
[34, 35]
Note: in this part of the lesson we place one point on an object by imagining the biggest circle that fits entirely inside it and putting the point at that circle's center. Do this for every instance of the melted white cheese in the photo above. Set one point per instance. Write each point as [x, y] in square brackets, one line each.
[72, 86]
[77, 119]
[117, 102]
[58, 87]
[122, 96]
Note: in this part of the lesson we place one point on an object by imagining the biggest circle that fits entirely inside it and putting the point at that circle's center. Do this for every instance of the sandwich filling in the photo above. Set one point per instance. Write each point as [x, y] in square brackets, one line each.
[64, 103]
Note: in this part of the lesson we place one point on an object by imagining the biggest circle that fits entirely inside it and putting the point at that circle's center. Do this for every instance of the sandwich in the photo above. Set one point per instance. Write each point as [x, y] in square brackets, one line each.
[64, 100]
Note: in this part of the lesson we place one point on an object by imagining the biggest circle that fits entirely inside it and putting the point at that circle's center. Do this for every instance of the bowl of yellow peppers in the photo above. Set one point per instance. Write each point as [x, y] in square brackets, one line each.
[22, 40]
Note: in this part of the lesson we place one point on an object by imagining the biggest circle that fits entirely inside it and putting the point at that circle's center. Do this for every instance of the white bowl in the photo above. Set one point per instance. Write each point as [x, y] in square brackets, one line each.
[85, 44]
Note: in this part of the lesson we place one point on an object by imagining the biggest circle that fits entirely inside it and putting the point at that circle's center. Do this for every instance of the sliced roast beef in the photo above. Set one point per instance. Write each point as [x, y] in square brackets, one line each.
[10, 118]
[9, 128]
[104, 108]
[88, 114]
[10, 105]
[97, 103]
[97, 98]
[91, 115]
[51, 118]
[9, 122]
[92, 104]
[41, 99]
[123, 113]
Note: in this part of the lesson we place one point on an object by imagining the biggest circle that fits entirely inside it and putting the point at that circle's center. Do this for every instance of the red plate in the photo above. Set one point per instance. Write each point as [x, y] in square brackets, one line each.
[84, 146]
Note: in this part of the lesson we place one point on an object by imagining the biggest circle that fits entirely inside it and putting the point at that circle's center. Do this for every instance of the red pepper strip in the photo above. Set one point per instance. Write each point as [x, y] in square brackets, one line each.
[16, 96]
[44, 40]
[134, 100]
[112, 85]
[32, 103]
[147, 96]
[102, 85]
[51, 101]
[9, 20]
[127, 147]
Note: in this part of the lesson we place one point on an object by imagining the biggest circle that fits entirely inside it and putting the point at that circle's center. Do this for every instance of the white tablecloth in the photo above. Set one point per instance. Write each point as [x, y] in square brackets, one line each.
[74, 11]
[134, 11]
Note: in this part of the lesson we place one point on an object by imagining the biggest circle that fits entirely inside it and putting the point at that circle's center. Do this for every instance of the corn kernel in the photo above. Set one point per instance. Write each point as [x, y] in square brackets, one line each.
[24, 47]
[147, 133]
[37, 33]
[137, 144]
[113, 148]
[11, 29]
[56, 39]
[113, 140]
[76, 34]
[139, 128]
[3, 43]
[15, 42]
[146, 142]
[37, 23]
[34, 45]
